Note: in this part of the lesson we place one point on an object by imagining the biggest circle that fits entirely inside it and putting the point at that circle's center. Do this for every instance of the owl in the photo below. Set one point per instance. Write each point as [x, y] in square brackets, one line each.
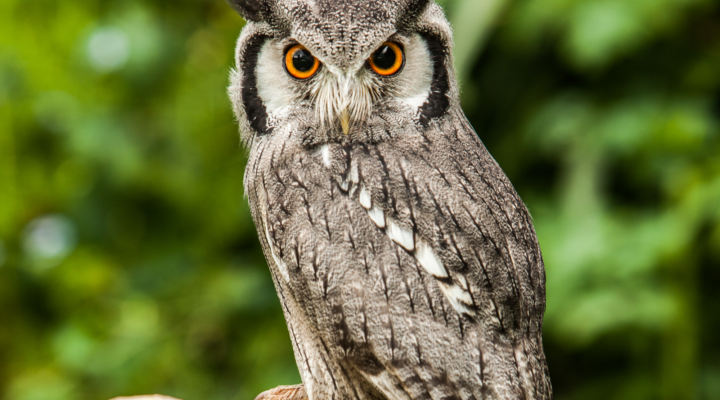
[406, 264]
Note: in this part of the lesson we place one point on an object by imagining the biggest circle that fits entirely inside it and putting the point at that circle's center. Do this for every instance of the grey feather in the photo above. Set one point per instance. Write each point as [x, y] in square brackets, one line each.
[406, 263]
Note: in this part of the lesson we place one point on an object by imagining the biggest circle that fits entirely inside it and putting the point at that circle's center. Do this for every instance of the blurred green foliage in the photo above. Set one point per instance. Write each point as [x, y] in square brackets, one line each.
[129, 263]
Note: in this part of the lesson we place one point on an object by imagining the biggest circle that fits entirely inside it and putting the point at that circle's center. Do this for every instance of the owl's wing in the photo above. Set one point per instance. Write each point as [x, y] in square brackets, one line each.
[414, 263]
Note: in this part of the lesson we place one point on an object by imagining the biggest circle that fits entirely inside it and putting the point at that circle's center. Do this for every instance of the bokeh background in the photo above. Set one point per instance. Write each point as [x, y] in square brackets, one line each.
[129, 263]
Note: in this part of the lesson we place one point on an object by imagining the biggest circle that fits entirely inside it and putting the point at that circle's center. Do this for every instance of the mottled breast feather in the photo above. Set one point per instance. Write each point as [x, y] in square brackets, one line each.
[449, 304]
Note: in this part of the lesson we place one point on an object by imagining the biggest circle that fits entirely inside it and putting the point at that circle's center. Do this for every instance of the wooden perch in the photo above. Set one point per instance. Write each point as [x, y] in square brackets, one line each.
[294, 392]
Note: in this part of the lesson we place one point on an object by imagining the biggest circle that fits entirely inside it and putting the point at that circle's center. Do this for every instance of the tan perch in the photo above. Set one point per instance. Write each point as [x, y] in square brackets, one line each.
[295, 392]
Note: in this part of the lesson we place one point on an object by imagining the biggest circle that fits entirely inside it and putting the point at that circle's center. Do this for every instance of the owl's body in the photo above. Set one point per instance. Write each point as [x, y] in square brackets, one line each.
[406, 263]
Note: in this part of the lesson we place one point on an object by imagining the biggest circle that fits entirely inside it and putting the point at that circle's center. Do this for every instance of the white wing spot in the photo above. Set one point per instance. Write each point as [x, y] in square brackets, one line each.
[344, 185]
[365, 199]
[429, 260]
[401, 235]
[525, 372]
[351, 179]
[325, 150]
[460, 299]
[278, 261]
[353, 175]
[378, 216]
[456, 293]
[388, 385]
[462, 282]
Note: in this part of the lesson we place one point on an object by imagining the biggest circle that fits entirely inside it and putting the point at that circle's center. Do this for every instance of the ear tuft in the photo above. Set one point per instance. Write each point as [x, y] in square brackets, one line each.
[251, 10]
[412, 10]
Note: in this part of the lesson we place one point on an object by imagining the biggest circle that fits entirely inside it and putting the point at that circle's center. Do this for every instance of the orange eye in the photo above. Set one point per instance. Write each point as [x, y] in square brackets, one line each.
[300, 63]
[387, 60]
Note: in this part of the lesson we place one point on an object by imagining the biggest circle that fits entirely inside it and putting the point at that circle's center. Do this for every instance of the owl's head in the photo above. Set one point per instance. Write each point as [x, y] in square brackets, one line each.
[335, 70]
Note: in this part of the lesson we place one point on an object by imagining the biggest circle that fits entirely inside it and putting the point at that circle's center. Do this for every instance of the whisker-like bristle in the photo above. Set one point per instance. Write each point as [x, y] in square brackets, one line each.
[338, 95]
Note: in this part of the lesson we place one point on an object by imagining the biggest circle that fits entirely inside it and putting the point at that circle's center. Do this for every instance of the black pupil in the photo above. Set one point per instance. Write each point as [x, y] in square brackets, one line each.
[302, 60]
[384, 57]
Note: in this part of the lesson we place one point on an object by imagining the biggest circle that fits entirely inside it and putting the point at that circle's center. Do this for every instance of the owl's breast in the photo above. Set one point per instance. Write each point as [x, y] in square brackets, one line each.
[412, 252]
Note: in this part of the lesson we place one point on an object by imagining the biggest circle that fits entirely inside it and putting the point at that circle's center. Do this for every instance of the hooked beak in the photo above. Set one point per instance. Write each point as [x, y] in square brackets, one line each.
[345, 121]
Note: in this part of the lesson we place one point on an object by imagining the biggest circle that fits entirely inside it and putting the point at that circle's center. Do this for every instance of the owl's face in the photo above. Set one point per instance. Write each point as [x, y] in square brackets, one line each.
[363, 70]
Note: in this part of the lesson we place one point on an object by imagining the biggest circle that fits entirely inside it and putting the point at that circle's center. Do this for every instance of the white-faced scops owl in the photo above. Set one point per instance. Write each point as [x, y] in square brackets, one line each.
[406, 264]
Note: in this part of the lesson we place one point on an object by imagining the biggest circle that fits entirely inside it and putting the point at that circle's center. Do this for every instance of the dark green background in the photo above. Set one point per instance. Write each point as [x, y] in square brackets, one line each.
[129, 263]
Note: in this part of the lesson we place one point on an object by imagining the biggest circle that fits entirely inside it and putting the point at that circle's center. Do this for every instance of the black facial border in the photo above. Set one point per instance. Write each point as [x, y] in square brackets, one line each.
[254, 106]
[438, 101]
